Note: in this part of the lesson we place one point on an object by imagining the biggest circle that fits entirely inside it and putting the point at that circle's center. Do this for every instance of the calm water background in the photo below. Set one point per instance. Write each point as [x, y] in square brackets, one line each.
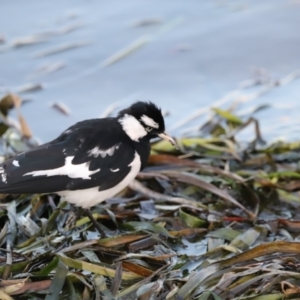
[191, 54]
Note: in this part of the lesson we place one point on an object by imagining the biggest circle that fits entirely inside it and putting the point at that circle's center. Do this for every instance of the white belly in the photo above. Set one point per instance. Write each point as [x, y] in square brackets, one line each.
[92, 196]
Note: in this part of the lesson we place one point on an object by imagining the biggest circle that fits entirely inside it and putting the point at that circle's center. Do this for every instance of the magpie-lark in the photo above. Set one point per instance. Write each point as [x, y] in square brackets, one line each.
[91, 161]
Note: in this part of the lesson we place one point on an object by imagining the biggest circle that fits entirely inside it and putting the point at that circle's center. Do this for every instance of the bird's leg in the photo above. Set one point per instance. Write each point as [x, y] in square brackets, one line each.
[72, 218]
[96, 224]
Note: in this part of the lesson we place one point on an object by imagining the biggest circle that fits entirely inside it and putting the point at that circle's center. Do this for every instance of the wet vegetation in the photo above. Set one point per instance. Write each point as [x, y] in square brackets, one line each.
[216, 219]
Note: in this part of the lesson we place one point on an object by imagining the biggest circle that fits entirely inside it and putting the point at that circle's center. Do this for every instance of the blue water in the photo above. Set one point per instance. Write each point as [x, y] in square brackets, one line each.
[195, 53]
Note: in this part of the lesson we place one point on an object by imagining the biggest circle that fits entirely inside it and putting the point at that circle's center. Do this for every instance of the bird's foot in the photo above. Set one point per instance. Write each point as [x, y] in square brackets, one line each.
[95, 223]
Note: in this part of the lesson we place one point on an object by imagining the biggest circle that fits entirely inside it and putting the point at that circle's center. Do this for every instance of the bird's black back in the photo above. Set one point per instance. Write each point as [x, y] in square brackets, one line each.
[78, 141]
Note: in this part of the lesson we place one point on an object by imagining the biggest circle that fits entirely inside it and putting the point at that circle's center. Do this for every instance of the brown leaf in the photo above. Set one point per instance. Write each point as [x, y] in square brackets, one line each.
[292, 226]
[142, 244]
[289, 289]
[17, 101]
[27, 40]
[142, 271]
[25, 130]
[30, 87]
[33, 286]
[120, 240]
[4, 296]
[117, 280]
[61, 107]
[8, 102]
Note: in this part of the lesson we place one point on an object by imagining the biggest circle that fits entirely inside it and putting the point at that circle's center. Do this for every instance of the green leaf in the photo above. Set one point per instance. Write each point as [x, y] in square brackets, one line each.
[95, 268]
[48, 268]
[156, 228]
[207, 295]
[224, 233]
[228, 116]
[284, 174]
[247, 238]
[58, 281]
[190, 220]
[3, 128]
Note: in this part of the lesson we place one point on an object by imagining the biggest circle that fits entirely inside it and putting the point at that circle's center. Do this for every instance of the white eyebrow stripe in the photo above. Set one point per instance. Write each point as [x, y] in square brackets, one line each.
[68, 169]
[149, 122]
[115, 170]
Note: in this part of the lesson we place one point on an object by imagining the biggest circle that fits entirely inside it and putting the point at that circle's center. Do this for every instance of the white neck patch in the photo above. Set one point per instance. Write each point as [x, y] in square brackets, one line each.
[133, 128]
[149, 122]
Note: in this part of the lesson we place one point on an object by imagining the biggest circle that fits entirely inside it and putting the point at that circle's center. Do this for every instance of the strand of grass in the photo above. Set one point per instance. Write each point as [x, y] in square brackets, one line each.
[3, 233]
[78, 246]
[61, 48]
[35, 286]
[58, 281]
[137, 285]
[4, 296]
[173, 160]
[194, 180]
[28, 242]
[116, 283]
[120, 240]
[125, 52]
[7, 269]
[97, 269]
[53, 217]
[228, 97]
[34, 244]
[139, 43]
[85, 220]
[258, 136]
[196, 278]
[138, 187]
[16, 267]
[10, 237]
[236, 95]
[109, 110]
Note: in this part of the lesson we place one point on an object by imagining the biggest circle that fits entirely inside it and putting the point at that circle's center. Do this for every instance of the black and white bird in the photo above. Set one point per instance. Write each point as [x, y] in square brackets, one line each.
[91, 161]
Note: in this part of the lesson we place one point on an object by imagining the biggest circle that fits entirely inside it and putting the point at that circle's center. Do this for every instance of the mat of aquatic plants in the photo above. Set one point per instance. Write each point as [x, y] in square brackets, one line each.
[216, 219]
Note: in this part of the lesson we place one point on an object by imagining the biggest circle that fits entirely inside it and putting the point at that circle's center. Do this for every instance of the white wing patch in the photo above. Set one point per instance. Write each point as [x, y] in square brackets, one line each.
[133, 128]
[73, 171]
[92, 196]
[97, 151]
[3, 175]
[16, 163]
[149, 121]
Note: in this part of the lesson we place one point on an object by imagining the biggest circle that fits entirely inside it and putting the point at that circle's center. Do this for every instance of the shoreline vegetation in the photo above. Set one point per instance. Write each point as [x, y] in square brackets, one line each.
[216, 219]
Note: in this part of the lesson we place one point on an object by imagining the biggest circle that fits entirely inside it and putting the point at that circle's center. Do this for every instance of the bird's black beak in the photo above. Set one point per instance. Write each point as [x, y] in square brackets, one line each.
[166, 137]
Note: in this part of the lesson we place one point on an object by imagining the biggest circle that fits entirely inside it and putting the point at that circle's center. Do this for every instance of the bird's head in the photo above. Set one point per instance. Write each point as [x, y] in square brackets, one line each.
[144, 119]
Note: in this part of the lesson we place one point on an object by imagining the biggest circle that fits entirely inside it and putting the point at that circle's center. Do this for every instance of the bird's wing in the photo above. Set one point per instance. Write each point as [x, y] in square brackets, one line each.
[88, 154]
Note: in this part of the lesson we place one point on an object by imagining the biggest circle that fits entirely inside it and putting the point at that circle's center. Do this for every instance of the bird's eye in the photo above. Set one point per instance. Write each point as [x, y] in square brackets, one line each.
[148, 129]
